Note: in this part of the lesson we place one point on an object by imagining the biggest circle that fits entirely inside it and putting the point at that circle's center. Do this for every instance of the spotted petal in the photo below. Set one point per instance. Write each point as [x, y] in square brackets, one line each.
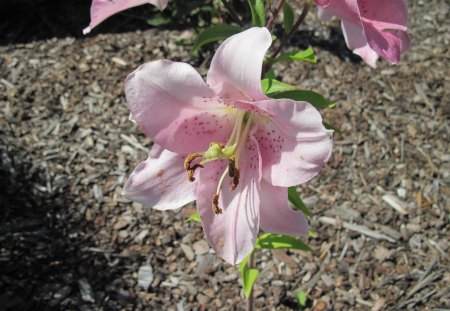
[160, 181]
[233, 233]
[175, 108]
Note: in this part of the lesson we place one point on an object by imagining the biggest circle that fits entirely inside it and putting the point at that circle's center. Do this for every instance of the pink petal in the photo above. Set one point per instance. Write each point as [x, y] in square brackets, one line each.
[293, 142]
[233, 233]
[175, 108]
[160, 181]
[356, 41]
[238, 62]
[387, 44]
[275, 214]
[102, 9]
[384, 14]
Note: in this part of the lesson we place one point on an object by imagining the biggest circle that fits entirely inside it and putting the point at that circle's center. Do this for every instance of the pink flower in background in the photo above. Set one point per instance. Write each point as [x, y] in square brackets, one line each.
[102, 9]
[371, 28]
[225, 144]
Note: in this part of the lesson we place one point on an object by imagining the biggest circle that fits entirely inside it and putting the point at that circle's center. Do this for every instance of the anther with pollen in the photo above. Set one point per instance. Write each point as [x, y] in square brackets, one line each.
[215, 204]
[233, 172]
[191, 169]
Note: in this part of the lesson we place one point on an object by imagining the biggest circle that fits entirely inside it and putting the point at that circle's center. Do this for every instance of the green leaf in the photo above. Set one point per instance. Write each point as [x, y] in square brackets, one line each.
[328, 126]
[215, 33]
[194, 217]
[311, 97]
[297, 202]
[271, 86]
[258, 12]
[301, 298]
[276, 241]
[270, 74]
[312, 233]
[158, 21]
[307, 55]
[248, 275]
[288, 17]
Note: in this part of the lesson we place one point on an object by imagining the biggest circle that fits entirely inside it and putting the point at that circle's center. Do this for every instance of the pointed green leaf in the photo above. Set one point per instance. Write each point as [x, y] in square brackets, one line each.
[215, 33]
[277, 241]
[258, 12]
[194, 217]
[272, 86]
[248, 275]
[288, 17]
[311, 97]
[307, 55]
[297, 202]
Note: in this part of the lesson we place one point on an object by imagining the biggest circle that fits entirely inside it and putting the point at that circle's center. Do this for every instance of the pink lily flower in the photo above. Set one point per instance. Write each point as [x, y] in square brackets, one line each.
[225, 144]
[371, 28]
[102, 9]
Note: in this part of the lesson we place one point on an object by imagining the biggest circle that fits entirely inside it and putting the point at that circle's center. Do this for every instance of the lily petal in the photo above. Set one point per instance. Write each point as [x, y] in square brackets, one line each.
[160, 181]
[294, 144]
[174, 106]
[238, 62]
[384, 14]
[102, 9]
[356, 41]
[233, 233]
[276, 215]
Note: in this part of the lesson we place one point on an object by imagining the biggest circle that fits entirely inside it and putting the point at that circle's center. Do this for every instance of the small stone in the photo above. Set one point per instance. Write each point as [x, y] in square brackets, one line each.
[201, 247]
[187, 251]
[203, 299]
[87, 294]
[145, 276]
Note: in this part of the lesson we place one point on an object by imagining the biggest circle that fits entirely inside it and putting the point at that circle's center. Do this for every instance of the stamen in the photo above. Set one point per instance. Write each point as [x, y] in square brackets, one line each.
[235, 181]
[215, 204]
[191, 169]
[231, 166]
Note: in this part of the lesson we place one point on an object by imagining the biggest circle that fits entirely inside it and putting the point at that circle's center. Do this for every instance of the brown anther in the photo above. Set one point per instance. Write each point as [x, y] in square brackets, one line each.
[231, 166]
[191, 169]
[215, 205]
[235, 181]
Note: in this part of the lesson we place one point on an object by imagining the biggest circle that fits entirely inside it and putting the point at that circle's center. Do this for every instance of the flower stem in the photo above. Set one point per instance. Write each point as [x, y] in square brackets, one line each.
[249, 302]
[275, 14]
[232, 12]
[294, 28]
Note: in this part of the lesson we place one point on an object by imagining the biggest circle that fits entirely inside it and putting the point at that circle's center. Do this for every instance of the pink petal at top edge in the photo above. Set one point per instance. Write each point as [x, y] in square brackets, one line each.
[384, 14]
[238, 62]
[102, 9]
[233, 233]
[276, 216]
[173, 105]
[160, 182]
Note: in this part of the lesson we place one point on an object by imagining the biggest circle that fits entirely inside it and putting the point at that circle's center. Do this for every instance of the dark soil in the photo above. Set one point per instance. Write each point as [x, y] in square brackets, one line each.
[70, 241]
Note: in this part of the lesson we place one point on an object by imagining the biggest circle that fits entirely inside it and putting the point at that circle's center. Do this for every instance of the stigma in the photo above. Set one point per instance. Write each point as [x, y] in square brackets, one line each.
[230, 151]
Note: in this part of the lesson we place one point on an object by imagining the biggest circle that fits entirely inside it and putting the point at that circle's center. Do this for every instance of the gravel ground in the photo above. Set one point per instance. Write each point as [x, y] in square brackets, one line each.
[70, 241]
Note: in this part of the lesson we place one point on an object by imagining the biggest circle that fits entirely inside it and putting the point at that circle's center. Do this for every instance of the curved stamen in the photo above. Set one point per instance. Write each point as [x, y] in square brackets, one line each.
[191, 169]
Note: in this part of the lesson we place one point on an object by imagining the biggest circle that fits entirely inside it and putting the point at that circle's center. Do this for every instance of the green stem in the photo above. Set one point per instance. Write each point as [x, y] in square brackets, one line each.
[250, 299]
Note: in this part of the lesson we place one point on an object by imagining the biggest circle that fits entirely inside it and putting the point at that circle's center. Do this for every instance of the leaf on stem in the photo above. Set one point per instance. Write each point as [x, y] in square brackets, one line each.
[311, 97]
[297, 202]
[288, 17]
[248, 275]
[277, 241]
[270, 85]
[258, 12]
[215, 33]
[307, 55]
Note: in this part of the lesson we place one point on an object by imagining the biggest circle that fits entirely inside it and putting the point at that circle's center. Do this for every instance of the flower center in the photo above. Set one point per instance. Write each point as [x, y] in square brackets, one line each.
[230, 151]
